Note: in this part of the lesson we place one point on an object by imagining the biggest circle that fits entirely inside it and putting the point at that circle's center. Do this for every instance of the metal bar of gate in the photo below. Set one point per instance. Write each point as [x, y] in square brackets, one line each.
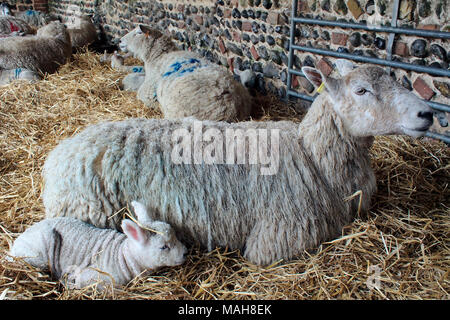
[375, 28]
[393, 30]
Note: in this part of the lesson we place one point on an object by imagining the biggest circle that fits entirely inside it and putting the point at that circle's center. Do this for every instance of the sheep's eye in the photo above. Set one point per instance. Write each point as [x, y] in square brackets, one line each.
[361, 91]
[165, 247]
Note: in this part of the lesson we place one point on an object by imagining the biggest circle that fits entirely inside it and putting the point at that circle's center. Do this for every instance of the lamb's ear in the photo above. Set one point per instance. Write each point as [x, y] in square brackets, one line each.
[344, 66]
[141, 212]
[320, 81]
[134, 232]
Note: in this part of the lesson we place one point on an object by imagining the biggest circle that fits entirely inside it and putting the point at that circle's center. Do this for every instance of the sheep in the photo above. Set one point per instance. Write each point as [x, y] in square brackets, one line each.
[43, 53]
[7, 76]
[171, 76]
[35, 18]
[10, 25]
[82, 31]
[318, 180]
[82, 254]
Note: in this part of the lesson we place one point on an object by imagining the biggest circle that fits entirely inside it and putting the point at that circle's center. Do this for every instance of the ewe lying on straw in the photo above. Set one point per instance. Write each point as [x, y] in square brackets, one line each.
[43, 53]
[318, 165]
[183, 82]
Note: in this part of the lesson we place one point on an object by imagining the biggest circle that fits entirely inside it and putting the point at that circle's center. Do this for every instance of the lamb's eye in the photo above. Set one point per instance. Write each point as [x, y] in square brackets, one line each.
[165, 247]
[360, 91]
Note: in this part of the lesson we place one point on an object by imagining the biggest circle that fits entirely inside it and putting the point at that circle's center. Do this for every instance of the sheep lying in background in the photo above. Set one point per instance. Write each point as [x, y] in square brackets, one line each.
[83, 254]
[43, 53]
[35, 18]
[82, 31]
[12, 25]
[319, 164]
[7, 76]
[183, 82]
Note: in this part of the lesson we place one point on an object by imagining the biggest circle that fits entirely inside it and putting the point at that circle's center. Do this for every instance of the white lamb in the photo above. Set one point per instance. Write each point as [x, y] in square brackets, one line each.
[42, 53]
[83, 254]
[184, 83]
[7, 76]
[317, 166]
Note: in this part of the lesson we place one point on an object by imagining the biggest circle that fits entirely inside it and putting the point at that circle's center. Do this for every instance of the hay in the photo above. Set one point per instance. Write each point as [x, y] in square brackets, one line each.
[399, 250]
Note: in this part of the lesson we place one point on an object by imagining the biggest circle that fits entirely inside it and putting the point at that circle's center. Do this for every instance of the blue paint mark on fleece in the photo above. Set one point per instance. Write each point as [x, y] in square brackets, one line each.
[138, 69]
[30, 13]
[177, 66]
[17, 73]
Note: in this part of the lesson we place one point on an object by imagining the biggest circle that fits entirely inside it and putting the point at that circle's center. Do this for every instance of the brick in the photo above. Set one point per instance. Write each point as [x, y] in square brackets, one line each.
[339, 38]
[423, 89]
[180, 7]
[234, 3]
[254, 53]
[432, 27]
[325, 67]
[199, 19]
[302, 6]
[246, 26]
[227, 13]
[401, 49]
[222, 47]
[236, 36]
[294, 81]
[273, 18]
[230, 64]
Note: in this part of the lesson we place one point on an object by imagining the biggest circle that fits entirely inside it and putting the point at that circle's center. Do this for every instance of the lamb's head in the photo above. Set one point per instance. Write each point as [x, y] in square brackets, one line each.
[139, 38]
[370, 102]
[153, 243]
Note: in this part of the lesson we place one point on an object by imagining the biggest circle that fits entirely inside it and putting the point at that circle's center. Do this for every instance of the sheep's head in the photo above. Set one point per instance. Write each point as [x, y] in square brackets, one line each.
[140, 37]
[153, 243]
[370, 102]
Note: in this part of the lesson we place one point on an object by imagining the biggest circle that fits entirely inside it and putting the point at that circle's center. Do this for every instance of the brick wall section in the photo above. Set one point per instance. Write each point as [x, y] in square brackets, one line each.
[255, 33]
[22, 5]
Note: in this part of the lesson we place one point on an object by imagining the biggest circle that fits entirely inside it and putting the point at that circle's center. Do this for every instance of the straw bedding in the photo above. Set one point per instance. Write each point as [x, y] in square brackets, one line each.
[399, 250]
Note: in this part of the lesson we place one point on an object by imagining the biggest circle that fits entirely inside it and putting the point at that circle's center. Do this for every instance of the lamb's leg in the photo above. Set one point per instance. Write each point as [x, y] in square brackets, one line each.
[78, 278]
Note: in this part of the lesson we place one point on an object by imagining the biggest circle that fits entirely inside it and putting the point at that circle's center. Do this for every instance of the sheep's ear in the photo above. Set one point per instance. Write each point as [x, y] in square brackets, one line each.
[344, 66]
[320, 81]
[134, 232]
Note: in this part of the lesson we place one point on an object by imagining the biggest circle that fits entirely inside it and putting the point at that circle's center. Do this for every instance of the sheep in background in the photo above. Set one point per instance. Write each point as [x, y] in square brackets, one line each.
[11, 25]
[83, 254]
[7, 76]
[323, 164]
[43, 53]
[184, 83]
[35, 18]
[82, 31]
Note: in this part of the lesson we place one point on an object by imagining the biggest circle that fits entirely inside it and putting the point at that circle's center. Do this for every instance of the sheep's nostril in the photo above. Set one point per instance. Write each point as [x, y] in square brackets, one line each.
[426, 115]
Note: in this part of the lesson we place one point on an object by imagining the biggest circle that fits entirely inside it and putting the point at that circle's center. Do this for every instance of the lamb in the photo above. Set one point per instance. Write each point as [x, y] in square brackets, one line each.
[117, 62]
[172, 76]
[43, 53]
[83, 254]
[82, 31]
[12, 25]
[7, 76]
[320, 166]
